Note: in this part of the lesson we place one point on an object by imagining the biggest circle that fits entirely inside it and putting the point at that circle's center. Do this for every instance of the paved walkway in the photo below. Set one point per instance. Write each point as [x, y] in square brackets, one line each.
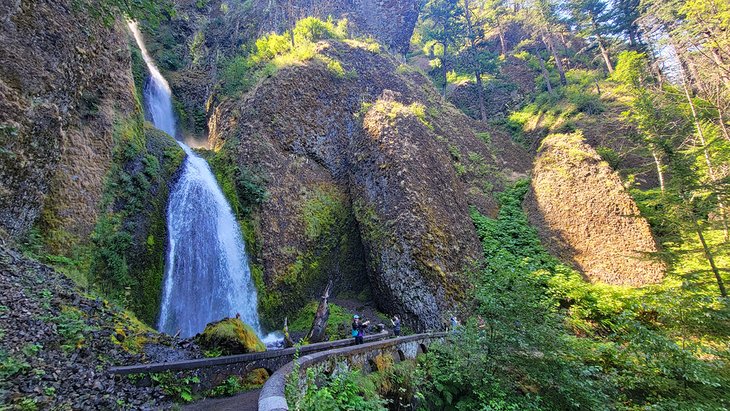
[245, 401]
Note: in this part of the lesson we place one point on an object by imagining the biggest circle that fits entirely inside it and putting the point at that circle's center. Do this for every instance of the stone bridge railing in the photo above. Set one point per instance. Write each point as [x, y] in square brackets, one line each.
[213, 371]
[272, 396]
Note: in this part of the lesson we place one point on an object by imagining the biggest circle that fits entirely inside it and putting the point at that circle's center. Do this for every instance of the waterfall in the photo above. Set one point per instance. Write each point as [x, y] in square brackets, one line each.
[207, 276]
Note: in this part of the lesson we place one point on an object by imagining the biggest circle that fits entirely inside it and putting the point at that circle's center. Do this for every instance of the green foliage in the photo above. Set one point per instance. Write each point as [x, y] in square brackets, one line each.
[338, 324]
[558, 112]
[313, 30]
[632, 69]
[127, 251]
[179, 388]
[75, 265]
[230, 386]
[72, 327]
[274, 51]
[539, 330]
[346, 390]
[322, 211]
[609, 155]
[151, 11]
[398, 383]
[11, 365]
[332, 250]
[244, 188]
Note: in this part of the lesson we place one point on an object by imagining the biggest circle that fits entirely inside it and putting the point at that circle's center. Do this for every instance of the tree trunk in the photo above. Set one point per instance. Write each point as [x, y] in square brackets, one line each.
[474, 60]
[720, 115]
[443, 75]
[723, 127]
[501, 39]
[558, 63]
[319, 325]
[659, 171]
[604, 53]
[601, 46]
[710, 258]
[292, 23]
[480, 96]
[288, 342]
[545, 73]
[708, 160]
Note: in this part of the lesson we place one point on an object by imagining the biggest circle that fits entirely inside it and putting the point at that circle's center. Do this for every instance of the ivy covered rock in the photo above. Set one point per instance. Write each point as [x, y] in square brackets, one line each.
[230, 336]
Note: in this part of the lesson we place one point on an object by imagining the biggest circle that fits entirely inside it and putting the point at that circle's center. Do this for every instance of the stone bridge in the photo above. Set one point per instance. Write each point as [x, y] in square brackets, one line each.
[272, 396]
[214, 371]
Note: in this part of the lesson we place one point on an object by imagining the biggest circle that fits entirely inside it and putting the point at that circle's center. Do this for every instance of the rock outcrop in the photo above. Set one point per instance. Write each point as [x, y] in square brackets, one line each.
[190, 47]
[585, 216]
[231, 336]
[383, 147]
[64, 81]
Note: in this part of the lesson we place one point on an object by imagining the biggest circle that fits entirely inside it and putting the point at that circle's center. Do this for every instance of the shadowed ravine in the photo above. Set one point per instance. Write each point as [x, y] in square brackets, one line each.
[207, 276]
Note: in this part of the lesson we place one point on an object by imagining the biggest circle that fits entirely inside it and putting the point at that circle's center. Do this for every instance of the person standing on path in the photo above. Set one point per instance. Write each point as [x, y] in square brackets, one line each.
[396, 326]
[358, 329]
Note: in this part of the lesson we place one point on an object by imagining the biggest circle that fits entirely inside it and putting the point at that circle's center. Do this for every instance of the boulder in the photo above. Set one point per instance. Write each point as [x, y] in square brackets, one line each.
[231, 336]
[587, 218]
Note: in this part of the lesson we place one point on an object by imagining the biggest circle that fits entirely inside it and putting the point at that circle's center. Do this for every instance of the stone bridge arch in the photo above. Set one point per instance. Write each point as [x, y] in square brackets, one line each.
[272, 397]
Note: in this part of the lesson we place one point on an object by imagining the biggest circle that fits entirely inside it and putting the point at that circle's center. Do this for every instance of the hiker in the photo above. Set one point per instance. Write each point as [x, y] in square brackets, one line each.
[396, 326]
[454, 324]
[358, 328]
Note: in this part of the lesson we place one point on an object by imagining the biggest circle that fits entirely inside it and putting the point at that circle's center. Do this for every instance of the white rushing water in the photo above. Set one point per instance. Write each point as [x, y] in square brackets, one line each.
[207, 276]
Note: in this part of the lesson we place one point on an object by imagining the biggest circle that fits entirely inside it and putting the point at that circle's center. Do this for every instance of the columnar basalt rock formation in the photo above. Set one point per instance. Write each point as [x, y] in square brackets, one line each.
[64, 81]
[585, 215]
[404, 165]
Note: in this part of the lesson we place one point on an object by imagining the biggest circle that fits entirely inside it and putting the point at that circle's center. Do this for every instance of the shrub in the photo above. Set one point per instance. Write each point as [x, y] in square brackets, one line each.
[344, 390]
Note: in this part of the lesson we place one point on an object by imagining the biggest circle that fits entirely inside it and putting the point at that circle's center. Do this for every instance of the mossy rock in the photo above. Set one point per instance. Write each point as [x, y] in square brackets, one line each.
[230, 336]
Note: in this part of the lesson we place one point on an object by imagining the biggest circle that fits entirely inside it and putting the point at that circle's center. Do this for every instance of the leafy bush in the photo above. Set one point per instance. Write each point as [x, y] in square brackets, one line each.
[273, 51]
[540, 337]
[179, 388]
[313, 29]
[71, 327]
[345, 390]
[609, 155]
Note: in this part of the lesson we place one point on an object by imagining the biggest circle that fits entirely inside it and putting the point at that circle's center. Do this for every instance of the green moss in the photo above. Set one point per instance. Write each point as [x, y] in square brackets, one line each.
[338, 324]
[139, 72]
[332, 250]
[128, 246]
[372, 228]
[231, 336]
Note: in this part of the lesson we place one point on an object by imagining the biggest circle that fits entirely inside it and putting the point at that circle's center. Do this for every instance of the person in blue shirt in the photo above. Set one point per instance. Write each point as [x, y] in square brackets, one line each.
[358, 329]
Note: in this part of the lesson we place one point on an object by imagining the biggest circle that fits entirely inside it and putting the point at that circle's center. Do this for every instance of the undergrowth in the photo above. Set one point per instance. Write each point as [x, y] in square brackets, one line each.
[538, 330]
[338, 324]
[274, 51]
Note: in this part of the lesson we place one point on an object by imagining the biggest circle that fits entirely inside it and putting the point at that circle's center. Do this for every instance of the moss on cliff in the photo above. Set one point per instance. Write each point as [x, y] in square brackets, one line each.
[128, 251]
[331, 250]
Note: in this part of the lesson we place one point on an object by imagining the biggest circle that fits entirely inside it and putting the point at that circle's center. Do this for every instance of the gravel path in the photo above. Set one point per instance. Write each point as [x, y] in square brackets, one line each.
[245, 401]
